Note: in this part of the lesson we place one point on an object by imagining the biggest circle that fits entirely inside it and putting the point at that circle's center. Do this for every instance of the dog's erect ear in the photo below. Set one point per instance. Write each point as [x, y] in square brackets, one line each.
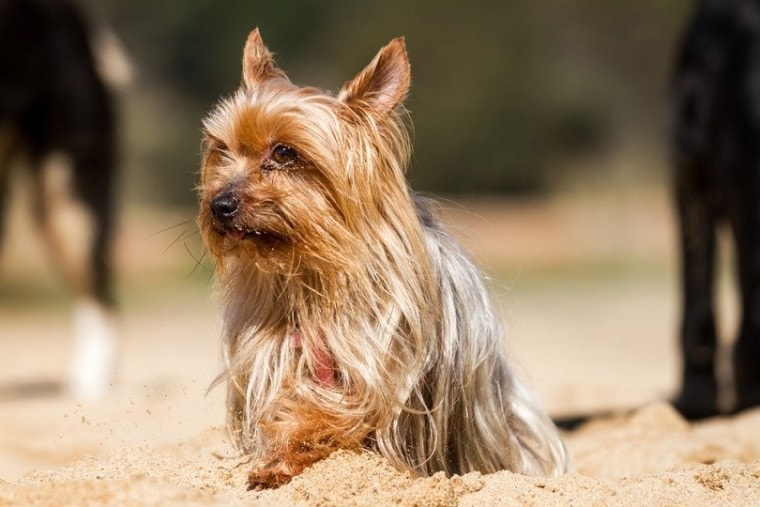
[258, 63]
[384, 83]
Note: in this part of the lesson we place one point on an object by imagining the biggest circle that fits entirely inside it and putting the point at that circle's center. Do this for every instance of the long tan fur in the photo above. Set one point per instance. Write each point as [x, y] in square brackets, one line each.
[351, 318]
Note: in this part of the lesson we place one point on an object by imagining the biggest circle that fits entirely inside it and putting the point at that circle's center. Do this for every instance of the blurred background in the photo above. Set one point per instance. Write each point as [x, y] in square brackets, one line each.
[542, 124]
[508, 98]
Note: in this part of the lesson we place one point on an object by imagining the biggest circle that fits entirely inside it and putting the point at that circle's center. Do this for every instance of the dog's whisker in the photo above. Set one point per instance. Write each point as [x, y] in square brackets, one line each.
[198, 260]
[180, 224]
[176, 240]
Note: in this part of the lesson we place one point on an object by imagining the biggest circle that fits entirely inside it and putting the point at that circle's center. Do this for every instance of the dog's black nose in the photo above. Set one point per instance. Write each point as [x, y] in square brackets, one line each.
[224, 208]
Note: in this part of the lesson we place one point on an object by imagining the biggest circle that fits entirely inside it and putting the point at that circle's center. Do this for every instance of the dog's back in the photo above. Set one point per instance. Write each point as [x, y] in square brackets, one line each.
[469, 384]
[50, 92]
[717, 92]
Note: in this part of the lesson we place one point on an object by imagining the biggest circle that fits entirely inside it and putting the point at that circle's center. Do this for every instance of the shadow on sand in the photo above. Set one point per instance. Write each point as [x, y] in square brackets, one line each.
[13, 391]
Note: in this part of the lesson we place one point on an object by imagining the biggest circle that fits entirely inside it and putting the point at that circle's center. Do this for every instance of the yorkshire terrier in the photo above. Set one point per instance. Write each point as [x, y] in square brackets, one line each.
[351, 318]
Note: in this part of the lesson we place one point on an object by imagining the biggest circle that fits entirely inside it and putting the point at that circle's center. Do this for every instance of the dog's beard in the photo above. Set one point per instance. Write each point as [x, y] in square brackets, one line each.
[266, 250]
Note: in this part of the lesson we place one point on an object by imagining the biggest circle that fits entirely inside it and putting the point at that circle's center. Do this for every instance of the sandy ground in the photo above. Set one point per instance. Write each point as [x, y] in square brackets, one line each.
[588, 292]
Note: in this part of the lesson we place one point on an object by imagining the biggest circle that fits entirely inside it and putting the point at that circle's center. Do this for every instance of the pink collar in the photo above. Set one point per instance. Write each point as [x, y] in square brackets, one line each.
[323, 363]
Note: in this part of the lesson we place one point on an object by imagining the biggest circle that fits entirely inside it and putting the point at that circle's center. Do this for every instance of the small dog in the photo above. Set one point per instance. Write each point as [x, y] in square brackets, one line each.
[351, 318]
[716, 139]
[56, 119]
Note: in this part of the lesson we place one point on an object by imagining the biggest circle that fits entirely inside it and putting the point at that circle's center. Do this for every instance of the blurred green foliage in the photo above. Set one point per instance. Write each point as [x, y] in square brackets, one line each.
[506, 94]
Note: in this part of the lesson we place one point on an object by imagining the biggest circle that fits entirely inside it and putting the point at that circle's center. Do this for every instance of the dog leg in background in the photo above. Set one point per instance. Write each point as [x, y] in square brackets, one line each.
[699, 388]
[4, 198]
[746, 354]
[77, 235]
[6, 158]
[93, 365]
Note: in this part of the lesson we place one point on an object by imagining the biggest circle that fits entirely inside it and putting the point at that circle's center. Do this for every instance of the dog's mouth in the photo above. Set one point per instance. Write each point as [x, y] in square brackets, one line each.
[267, 238]
[228, 221]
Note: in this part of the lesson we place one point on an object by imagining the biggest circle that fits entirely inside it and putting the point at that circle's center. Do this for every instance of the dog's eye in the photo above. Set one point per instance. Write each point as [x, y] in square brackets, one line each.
[284, 155]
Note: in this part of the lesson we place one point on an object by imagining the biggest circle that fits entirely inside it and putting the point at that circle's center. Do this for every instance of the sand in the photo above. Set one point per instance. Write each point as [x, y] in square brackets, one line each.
[587, 342]
[651, 457]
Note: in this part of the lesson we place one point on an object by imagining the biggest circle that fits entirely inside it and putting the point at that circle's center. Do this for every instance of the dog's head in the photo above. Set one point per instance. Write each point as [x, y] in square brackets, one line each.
[293, 175]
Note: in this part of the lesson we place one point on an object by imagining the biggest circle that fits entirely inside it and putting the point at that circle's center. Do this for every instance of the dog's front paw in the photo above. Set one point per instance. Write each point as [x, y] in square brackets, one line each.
[270, 477]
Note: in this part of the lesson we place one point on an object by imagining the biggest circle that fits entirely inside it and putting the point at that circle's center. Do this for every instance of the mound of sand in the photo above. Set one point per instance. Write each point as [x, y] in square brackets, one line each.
[651, 457]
